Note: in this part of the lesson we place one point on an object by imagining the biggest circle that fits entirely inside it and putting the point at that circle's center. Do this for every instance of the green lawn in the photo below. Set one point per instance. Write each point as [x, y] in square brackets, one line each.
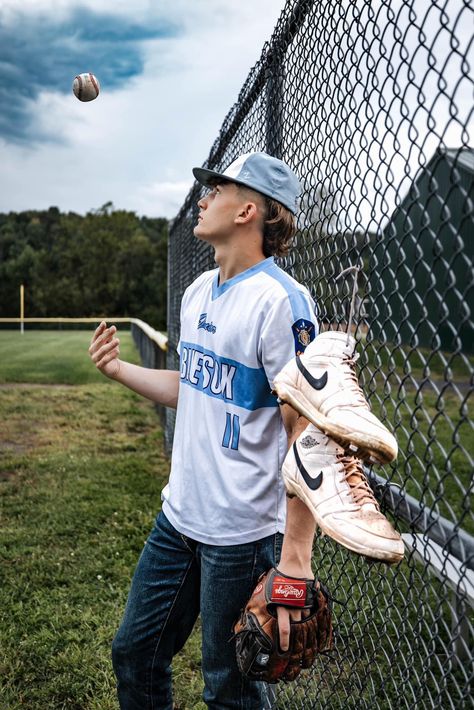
[419, 362]
[435, 441]
[81, 470]
[54, 356]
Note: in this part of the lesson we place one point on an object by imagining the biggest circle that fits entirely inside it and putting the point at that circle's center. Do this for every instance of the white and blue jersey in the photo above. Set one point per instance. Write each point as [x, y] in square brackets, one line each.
[225, 486]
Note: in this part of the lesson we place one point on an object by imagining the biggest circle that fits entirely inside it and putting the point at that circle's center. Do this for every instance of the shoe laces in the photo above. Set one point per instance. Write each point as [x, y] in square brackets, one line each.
[354, 475]
[352, 381]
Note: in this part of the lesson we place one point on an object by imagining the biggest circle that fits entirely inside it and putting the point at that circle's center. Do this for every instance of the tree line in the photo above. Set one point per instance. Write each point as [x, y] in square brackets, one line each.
[108, 262]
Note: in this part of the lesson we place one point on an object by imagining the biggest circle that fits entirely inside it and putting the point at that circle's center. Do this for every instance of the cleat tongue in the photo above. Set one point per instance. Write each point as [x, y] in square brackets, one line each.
[369, 507]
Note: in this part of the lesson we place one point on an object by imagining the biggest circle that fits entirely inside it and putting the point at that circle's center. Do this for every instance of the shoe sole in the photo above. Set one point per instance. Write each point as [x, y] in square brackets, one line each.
[378, 555]
[353, 442]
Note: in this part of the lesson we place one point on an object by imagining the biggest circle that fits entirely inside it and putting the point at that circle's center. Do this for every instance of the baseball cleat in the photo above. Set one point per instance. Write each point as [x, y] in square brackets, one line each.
[321, 384]
[334, 488]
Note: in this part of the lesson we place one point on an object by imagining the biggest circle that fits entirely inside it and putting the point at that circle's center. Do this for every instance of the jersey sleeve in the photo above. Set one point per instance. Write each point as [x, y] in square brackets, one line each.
[178, 344]
[182, 311]
[289, 326]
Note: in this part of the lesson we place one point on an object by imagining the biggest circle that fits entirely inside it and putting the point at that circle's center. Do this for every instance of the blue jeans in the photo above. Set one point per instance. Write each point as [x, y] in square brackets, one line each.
[176, 579]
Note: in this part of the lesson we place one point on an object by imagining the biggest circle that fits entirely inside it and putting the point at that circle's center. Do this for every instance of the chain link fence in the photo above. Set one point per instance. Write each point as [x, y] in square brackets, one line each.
[370, 102]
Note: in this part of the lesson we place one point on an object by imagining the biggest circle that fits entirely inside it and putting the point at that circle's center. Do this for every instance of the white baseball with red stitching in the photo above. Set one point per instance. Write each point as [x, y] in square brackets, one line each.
[86, 87]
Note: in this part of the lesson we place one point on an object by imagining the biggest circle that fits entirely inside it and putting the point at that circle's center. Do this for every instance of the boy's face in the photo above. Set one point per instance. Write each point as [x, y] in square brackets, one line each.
[217, 212]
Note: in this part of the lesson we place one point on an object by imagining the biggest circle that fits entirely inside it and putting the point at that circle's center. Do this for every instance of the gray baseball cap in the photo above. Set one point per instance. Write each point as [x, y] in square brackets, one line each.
[261, 172]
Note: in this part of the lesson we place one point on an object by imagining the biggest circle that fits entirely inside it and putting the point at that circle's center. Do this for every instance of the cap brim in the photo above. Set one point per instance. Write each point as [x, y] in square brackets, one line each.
[208, 178]
[205, 176]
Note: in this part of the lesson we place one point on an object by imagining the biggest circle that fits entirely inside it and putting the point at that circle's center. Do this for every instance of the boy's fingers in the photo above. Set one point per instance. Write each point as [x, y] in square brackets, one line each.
[101, 337]
[107, 347]
[96, 335]
[285, 616]
[108, 357]
[98, 353]
[99, 329]
[283, 627]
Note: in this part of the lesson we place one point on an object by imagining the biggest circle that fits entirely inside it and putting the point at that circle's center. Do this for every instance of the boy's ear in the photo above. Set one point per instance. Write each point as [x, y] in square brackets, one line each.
[246, 213]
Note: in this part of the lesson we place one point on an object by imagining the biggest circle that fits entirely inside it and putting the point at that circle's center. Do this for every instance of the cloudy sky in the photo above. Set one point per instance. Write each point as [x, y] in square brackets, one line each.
[169, 72]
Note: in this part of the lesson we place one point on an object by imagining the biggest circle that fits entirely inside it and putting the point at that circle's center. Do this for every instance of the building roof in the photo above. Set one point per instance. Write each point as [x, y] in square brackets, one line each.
[462, 156]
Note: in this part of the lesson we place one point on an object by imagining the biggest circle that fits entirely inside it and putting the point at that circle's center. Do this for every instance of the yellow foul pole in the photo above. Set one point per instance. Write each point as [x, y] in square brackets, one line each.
[22, 308]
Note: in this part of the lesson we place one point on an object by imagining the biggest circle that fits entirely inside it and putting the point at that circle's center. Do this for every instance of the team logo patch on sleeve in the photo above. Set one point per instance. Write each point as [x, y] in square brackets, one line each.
[303, 333]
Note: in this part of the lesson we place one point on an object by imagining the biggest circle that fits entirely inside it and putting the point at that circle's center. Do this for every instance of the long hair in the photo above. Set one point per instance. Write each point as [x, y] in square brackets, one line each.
[279, 228]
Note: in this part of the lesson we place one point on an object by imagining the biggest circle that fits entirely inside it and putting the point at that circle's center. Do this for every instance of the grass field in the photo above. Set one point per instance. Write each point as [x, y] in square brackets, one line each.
[53, 356]
[81, 470]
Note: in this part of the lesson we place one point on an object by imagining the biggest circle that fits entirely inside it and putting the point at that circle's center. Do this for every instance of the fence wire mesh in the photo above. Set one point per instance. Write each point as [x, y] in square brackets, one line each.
[370, 102]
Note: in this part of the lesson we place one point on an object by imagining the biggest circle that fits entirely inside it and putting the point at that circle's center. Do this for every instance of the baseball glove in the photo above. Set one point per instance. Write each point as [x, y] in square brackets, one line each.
[259, 656]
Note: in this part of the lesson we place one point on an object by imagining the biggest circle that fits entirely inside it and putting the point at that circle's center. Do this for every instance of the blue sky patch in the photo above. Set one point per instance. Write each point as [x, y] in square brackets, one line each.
[41, 52]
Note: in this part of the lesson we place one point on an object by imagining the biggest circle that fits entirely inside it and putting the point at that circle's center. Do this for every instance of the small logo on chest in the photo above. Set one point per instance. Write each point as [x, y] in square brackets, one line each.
[210, 327]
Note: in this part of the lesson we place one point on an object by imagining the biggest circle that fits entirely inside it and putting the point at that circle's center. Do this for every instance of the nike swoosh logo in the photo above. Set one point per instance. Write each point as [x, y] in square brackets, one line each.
[317, 382]
[311, 482]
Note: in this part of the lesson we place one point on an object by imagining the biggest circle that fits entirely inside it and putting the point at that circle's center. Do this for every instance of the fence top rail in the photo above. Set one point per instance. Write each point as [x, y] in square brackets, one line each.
[159, 338]
[61, 319]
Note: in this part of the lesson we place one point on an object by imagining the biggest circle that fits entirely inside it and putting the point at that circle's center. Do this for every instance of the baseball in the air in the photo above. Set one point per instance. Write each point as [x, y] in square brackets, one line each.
[86, 87]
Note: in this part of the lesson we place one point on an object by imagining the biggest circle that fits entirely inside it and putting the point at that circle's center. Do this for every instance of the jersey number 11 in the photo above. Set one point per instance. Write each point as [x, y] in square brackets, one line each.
[231, 432]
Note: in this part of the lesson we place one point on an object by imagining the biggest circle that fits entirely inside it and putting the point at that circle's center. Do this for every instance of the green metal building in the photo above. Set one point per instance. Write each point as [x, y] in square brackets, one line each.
[421, 269]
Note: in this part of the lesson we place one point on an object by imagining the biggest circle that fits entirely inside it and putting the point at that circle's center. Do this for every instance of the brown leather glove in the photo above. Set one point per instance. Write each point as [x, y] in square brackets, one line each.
[259, 656]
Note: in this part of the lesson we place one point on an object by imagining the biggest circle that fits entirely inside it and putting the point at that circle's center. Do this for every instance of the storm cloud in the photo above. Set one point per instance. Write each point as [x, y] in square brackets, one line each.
[42, 51]
[169, 73]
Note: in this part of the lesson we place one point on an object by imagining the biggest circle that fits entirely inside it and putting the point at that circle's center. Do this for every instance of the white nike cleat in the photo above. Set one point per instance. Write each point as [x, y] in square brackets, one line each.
[334, 488]
[321, 384]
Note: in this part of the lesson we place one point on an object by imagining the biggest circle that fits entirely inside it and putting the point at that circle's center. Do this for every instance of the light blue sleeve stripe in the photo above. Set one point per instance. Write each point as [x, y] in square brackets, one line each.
[300, 303]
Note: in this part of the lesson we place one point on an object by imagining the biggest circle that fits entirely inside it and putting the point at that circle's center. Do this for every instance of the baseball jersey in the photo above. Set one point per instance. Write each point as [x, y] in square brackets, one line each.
[225, 485]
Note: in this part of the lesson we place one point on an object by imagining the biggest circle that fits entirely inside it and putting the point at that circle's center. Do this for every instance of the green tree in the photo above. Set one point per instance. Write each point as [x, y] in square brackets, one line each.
[108, 262]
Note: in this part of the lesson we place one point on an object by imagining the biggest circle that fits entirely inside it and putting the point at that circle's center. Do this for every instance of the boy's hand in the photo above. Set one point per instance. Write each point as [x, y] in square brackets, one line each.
[260, 652]
[285, 614]
[285, 617]
[104, 350]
